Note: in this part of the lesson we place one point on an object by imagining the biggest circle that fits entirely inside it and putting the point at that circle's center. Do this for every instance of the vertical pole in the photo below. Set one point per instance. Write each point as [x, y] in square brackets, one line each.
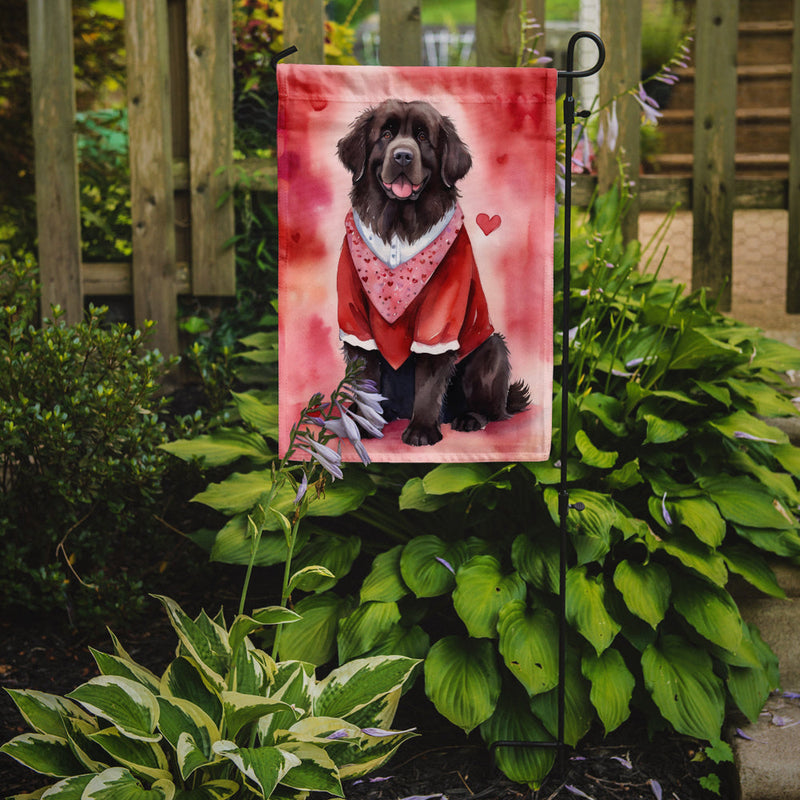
[152, 200]
[793, 266]
[56, 159]
[304, 27]
[498, 29]
[713, 187]
[401, 33]
[621, 26]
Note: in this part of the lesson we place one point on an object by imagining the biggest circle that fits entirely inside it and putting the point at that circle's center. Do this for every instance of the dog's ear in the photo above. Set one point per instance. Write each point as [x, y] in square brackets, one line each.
[456, 160]
[352, 149]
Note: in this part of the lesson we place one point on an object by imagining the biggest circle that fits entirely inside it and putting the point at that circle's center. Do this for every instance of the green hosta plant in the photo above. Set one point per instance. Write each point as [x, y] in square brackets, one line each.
[223, 720]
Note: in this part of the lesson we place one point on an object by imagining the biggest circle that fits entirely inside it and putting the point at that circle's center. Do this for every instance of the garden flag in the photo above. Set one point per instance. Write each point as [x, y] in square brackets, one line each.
[416, 216]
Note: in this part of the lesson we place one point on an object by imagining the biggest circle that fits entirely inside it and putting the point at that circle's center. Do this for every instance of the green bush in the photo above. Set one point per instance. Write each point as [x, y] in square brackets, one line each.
[79, 428]
[683, 482]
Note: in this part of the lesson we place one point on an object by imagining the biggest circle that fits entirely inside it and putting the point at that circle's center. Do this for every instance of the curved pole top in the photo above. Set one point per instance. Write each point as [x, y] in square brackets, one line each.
[570, 72]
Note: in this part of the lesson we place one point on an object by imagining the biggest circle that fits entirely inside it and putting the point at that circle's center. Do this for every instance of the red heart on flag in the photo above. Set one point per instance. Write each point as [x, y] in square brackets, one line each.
[486, 224]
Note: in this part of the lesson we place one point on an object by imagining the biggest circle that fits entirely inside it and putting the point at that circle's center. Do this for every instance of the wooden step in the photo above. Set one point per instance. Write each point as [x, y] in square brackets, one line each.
[767, 165]
[765, 42]
[754, 10]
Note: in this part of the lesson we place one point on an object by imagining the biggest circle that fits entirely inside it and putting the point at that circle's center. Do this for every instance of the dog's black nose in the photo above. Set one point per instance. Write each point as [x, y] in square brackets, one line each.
[403, 157]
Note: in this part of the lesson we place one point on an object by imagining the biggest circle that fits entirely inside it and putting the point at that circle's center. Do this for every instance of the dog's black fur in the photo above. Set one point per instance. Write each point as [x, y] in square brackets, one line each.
[406, 159]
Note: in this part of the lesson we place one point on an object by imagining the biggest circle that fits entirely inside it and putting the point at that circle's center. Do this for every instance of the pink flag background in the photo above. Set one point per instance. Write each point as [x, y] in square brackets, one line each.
[507, 119]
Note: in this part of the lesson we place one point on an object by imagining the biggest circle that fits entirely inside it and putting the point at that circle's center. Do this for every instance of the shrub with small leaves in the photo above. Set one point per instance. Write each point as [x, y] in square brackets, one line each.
[79, 464]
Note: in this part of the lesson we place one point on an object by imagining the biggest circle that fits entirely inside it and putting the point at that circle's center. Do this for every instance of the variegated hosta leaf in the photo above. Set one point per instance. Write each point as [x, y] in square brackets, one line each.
[125, 668]
[212, 790]
[358, 683]
[529, 645]
[242, 709]
[68, 789]
[183, 679]
[586, 608]
[252, 670]
[683, 685]
[45, 712]
[646, 589]
[578, 710]
[293, 684]
[262, 766]
[365, 627]
[513, 721]
[710, 610]
[428, 565]
[316, 771]
[146, 759]
[612, 687]
[244, 625]
[180, 717]
[372, 753]
[481, 591]
[190, 755]
[44, 753]
[462, 680]
[117, 783]
[126, 704]
[385, 581]
[204, 641]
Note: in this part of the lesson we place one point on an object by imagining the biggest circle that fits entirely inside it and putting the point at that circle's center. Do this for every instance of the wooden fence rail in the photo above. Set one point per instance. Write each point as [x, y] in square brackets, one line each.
[180, 98]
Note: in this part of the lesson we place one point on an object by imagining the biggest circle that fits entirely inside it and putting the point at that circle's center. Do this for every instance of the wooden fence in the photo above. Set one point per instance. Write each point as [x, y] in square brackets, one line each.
[181, 141]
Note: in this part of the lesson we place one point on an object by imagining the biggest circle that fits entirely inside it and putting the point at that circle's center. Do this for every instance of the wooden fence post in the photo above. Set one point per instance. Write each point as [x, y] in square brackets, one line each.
[210, 55]
[304, 27]
[621, 28]
[56, 164]
[714, 189]
[793, 266]
[404, 50]
[152, 201]
[498, 29]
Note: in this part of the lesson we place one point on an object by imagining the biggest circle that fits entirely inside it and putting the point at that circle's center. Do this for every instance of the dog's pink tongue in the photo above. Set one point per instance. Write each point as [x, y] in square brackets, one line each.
[402, 187]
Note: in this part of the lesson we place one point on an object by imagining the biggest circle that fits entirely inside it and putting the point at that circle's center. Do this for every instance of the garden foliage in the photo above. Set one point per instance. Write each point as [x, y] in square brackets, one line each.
[223, 720]
[80, 468]
[683, 482]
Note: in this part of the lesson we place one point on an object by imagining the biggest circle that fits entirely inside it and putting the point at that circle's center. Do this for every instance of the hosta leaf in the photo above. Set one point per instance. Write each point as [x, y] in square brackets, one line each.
[788, 455]
[244, 625]
[44, 753]
[746, 561]
[182, 679]
[67, 789]
[595, 519]
[774, 355]
[223, 446]
[242, 709]
[697, 349]
[663, 431]
[749, 688]
[513, 721]
[608, 410]
[586, 608]
[578, 710]
[261, 416]
[716, 391]
[462, 680]
[701, 517]
[263, 766]
[529, 645]
[745, 502]
[237, 493]
[612, 687]
[399, 640]
[414, 497]
[190, 756]
[481, 591]
[683, 685]
[117, 783]
[782, 543]
[450, 478]
[212, 790]
[625, 477]
[385, 582]
[709, 610]
[537, 561]
[313, 638]
[365, 627]
[646, 589]
[125, 668]
[45, 712]
[591, 455]
[126, 704]
[294, 683]
[178, 716]
[766, 401]
[358, 683]
[740, 422]
[692, 553]
[316, 771]
[424, 565]
[145, 759]
[334, 553]
[233, 544]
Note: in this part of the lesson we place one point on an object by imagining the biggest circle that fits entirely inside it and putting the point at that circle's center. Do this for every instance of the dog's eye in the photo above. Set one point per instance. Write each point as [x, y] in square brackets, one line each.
[387, 134]
[422, 136]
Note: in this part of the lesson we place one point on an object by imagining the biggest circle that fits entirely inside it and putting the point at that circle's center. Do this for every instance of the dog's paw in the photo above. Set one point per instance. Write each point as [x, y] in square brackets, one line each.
[471, 421]
[421, 435]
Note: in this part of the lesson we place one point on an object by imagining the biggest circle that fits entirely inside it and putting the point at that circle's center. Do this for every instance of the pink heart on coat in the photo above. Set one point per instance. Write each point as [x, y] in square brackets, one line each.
[487, 224]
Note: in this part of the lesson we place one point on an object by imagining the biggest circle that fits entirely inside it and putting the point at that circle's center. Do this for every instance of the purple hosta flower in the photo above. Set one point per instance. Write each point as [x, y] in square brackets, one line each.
[342, 733]
[791, 695]
[751, 437]
[608, 131]
[380, 732]
[376, 779]
[577, 792]
[742, 735]
[655, 787]
[345, 428]
[649, 106]
[624, 761]
[664, 512]
[325, 456]
[301, 490]
[369, 401]
[365, 424]
[447, 564]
